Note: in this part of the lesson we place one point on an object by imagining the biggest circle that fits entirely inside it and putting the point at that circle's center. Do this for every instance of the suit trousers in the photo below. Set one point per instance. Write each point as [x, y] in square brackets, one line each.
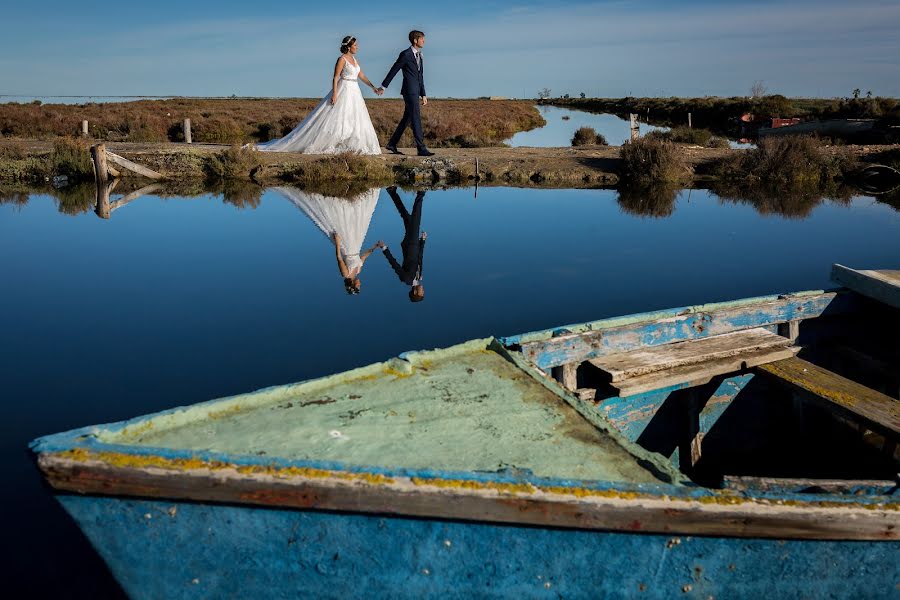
[412, 116]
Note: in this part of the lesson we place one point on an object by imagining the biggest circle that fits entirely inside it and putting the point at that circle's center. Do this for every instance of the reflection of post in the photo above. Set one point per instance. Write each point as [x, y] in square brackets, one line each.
[103, 191]
[187, 131]
[635, 131]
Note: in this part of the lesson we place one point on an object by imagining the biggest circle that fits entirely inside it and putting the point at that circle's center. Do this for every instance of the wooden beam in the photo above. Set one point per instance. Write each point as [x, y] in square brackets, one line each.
[187, 131]
[521, 504]
[133, 167]
[650, 359]
[601, 341]
[846, 398]
[698, 374]
[883, 285]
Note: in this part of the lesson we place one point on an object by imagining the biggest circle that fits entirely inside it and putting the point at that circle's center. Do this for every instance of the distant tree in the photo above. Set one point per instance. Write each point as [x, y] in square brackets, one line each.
[869, 94]
[566, 96]
[544, 93]
[758, 89]
[582, 95]
[856, 94]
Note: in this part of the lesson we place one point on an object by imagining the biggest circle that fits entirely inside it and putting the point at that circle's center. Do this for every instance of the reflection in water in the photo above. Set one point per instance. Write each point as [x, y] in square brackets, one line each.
[649, 200]
[796, 202]
[343, 221]
[413, 245]
[242, 193]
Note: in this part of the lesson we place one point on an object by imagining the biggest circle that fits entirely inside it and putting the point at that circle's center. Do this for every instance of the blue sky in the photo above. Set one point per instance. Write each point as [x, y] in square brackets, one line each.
[474, 48]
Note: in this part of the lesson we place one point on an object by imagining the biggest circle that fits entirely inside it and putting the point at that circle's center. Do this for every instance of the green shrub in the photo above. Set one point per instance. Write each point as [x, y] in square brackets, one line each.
[588, 136]
[233, 163]
[652, 160]
[71, 157]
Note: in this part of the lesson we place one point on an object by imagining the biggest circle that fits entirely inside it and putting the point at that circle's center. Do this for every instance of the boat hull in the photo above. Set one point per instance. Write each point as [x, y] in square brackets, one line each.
[163, 549]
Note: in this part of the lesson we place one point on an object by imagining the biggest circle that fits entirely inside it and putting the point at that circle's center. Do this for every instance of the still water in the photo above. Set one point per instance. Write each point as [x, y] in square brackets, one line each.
[562, 123]
[175, 300]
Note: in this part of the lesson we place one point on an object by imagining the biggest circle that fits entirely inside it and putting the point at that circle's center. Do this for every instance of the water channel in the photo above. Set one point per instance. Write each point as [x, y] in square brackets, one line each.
[177, 299]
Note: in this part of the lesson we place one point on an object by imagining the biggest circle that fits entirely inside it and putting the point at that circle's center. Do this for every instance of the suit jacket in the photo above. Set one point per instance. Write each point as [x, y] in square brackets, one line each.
[411, 269]
[413, 74]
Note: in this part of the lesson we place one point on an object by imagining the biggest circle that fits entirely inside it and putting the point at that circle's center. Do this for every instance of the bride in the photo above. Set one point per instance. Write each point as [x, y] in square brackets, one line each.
[340, 122]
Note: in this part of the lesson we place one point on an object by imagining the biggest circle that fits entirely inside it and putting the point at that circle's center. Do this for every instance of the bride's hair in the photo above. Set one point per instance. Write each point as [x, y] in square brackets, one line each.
[346, 43]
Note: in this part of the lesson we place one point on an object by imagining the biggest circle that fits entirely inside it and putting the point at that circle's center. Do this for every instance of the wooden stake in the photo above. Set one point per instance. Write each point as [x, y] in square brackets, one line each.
[84, 128]
[689, 121]
[187, 131]
[102, 208]
[98, 157]
[635, 131]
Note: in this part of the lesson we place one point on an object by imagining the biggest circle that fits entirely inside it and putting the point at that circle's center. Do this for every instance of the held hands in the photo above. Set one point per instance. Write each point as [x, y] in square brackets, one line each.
[379, 244]
[379, 91]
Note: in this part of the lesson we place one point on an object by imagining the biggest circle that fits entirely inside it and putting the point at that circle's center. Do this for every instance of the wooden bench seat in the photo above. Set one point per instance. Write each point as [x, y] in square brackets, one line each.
[840, 395]
[692, 362]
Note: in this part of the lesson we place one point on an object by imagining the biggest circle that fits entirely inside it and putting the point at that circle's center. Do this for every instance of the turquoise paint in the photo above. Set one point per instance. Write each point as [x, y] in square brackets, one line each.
[182, 550]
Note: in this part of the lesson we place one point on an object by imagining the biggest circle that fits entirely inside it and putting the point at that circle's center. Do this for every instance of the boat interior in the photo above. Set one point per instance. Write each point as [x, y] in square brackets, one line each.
[790, 393]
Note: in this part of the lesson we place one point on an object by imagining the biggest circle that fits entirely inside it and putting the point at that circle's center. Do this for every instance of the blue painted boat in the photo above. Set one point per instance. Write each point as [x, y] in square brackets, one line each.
[729, 450]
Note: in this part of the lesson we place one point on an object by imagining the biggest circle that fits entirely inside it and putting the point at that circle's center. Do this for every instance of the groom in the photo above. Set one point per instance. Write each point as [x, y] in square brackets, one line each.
[410, 62]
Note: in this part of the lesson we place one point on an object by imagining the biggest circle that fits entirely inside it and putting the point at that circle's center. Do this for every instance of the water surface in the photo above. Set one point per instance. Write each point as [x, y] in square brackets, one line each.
[175, 300]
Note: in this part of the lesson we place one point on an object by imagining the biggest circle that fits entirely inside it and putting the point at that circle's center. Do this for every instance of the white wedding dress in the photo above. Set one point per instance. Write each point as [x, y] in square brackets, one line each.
[344, 126]
[349, 218]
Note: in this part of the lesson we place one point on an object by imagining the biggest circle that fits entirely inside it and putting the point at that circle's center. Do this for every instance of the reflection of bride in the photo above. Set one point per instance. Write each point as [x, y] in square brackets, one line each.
[345, 222]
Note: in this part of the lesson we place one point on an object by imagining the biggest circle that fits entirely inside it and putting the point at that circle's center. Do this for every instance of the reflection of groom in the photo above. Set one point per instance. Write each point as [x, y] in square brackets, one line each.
[413, 246]
[410, 62]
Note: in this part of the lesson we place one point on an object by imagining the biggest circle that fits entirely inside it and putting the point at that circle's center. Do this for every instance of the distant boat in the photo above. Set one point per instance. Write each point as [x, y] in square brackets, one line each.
[730, 450]
[830, 128]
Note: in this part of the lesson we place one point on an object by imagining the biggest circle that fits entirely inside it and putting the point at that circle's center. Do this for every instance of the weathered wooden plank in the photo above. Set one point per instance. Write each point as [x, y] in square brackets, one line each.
[601, 341]
[698, 374]
[839, 394]
[134, 167]
[883, 285]
[522, 503]
[784, 484]
[645, 360]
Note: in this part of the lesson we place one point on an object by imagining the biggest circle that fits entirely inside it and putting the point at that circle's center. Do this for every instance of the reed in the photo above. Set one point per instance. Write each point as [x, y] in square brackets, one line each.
[648, 161]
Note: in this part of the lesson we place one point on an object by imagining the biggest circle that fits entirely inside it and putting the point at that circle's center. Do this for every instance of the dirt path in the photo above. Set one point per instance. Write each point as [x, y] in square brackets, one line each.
[586, 166]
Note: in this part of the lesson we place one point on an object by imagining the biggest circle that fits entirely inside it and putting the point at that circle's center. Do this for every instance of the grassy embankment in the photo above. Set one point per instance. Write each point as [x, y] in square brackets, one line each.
[446, 123]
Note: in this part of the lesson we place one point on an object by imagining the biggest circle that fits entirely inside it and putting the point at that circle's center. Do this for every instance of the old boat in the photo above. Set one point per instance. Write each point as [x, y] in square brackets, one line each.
[726, 450]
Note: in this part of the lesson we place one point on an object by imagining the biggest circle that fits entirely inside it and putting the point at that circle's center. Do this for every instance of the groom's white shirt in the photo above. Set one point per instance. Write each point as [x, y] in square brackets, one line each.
[416, 55]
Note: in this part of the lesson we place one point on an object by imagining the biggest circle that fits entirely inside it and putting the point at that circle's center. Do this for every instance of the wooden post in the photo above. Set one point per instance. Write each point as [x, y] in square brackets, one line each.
[790, 330]
[84, 128]
[689, 121]
[98, 157]
[187, 131]
[635, 131]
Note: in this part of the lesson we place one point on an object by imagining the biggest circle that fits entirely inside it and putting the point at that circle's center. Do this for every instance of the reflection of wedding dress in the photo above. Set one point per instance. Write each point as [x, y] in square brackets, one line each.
[350, 218]
[329, 129]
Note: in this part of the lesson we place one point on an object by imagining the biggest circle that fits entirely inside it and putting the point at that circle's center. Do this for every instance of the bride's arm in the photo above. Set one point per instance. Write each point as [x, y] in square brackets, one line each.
[362, 77]
[340, 259]
[338, 67]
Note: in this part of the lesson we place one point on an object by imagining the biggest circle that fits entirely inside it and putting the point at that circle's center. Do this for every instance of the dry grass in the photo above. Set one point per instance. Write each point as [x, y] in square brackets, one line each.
[71, 157]
[588, 136]
[785, 161]
[648, 161]
[233, 163]
[446, 123]
[654, 200]
[341, 168]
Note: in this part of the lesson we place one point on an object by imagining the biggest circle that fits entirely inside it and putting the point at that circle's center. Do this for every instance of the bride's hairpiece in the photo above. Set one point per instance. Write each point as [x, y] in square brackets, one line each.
[346, 43]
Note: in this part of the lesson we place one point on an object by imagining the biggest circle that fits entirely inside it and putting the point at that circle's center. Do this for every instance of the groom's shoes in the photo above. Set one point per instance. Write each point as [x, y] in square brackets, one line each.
[392, 149]
[425, 152]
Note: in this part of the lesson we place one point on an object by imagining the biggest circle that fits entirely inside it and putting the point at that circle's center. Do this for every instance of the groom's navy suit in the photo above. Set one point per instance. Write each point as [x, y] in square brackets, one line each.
[413, 88]
[413, 245]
